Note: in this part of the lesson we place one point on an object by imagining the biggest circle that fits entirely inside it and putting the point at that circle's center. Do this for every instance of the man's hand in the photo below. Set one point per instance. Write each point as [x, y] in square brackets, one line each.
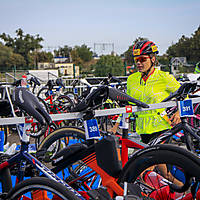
[114, 128]
[175, 119]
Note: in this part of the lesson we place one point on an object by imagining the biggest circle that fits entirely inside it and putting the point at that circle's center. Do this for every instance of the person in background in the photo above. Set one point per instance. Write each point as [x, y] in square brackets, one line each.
[150, 85]
[197, 68]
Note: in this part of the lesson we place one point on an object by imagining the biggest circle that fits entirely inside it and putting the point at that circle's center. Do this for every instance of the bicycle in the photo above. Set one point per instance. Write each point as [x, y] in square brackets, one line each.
[39, 188]
[33, 108]
[56, 103]
[127, 141]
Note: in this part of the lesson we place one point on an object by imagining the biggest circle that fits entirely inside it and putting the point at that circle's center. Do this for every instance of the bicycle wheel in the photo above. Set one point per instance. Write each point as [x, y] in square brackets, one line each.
[64, 136]
[195, 121]
[163, 171]
[72, 96]
[68, 136]
[43, 93]
[40, 188]
[63, 105]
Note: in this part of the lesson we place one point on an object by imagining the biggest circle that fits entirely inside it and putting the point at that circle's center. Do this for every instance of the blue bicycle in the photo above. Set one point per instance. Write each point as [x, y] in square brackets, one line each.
[37, 187]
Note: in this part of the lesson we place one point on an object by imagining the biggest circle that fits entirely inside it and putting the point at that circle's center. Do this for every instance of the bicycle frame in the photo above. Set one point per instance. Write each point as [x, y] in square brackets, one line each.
[89, 158]
[23, 156]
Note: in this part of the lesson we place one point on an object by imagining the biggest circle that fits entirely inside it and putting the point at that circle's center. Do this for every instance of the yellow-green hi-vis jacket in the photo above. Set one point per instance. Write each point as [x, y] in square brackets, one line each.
[157, 87]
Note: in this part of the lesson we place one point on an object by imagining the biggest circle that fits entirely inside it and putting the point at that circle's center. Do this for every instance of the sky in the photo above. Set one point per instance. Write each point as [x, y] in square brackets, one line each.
[112, 22]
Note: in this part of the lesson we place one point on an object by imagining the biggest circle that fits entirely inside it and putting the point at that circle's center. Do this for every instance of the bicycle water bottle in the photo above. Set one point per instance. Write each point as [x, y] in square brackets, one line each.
[124, 123]
[1, 141]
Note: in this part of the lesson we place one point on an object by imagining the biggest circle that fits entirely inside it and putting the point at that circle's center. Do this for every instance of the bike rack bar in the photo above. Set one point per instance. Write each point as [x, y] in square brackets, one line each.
[98, 113]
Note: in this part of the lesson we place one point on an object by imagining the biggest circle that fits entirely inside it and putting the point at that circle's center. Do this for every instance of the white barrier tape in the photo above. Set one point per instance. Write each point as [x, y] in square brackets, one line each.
[98, 113]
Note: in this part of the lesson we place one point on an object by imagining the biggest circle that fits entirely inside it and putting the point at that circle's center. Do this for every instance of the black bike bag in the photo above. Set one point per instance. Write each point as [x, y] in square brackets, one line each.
[67, 152]
[107, 156]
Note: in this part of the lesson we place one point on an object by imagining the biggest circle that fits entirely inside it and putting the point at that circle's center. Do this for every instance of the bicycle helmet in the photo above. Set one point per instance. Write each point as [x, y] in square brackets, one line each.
[144, 47]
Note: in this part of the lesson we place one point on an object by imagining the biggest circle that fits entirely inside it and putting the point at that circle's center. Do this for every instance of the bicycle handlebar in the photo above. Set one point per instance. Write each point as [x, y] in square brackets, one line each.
[100, 95]
[113, 78]
[182, 92]
[35, 81]
[118, 95]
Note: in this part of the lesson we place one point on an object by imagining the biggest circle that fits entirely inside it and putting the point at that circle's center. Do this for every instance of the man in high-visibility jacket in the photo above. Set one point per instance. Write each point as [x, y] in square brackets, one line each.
[150, 86]
[197, 68]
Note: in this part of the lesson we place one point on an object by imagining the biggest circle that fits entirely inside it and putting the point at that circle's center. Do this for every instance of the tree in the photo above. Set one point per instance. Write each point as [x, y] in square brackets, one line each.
[63, 51]
[108, 64]
[23, 44]
[44, 56]
[8, 59]
[188, 47]
[84, 52]
[164, 62]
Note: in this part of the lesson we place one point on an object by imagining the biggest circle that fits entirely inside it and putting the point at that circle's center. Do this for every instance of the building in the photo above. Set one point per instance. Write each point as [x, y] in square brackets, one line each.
[45, 65]
[68, 69]
[177, 62]
[65, 68]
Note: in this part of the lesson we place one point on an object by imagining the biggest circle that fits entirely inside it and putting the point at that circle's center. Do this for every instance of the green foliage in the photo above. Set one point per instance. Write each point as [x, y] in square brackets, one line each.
[108, 64]
[8, 58]
[23, 44]
[63, 51]
[84, 52]
[44, 56]
[164, 62]
[188, 47]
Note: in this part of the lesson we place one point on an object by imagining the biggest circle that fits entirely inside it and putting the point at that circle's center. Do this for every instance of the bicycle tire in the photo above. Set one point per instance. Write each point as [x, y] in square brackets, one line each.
[69, 173]
[40, 91]
[72, 96]
[5, 180]
[63, 132]
[170, 155]
[41, 183]
[65, 104]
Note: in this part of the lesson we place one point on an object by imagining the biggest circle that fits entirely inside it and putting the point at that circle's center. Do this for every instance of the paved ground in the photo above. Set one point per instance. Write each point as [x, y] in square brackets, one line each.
[13, 137]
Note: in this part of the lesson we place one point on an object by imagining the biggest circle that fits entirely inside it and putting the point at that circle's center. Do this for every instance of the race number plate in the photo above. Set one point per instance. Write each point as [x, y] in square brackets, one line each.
[186, 108]
[91, 129]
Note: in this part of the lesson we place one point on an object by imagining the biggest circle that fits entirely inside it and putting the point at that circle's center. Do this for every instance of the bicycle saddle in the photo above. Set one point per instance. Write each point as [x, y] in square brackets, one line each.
[68, 152]
[26, 101]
